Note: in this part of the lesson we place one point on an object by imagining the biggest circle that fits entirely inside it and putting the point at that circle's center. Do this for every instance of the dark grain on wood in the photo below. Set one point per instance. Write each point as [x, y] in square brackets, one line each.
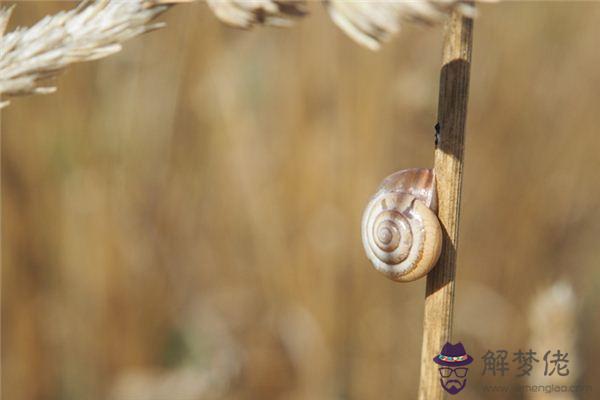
[448, 166]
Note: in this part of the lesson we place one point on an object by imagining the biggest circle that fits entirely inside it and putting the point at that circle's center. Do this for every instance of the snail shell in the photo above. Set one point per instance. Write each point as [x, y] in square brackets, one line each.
[401, 233]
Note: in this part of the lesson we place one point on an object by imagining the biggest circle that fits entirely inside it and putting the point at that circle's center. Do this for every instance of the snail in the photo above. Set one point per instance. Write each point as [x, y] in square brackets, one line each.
[401, 233]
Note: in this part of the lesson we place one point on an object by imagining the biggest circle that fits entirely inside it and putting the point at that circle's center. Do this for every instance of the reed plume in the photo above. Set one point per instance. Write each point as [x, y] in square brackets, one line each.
[92, 30]
[553, 327]
[97, 28]
[371, 23]
[245, 14]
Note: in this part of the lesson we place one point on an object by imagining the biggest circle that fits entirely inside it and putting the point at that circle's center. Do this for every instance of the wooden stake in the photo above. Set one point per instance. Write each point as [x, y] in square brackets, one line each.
[448, 166]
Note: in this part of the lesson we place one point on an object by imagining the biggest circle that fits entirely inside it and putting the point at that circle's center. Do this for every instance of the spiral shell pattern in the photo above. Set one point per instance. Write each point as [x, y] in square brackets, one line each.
[400, 231]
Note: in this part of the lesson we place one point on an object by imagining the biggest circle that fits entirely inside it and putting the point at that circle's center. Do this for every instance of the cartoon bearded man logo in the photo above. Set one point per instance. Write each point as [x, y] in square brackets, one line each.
[452, 362]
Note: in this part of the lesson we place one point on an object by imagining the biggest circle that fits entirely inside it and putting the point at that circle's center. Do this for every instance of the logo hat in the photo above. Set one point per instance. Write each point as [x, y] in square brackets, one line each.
[453, 355]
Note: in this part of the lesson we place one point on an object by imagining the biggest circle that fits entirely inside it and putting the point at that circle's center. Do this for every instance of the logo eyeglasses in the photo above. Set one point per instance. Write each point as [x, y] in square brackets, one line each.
[447, 372]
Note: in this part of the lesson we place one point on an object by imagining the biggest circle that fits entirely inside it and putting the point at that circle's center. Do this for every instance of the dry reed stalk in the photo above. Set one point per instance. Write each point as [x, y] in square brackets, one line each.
[1, 33]
[448, 166]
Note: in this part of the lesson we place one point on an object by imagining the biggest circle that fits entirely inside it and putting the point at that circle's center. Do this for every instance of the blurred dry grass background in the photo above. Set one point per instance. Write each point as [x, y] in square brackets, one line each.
[181, 221]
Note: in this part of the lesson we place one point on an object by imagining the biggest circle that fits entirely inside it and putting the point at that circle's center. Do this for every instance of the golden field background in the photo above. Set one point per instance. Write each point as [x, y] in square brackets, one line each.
[181, 220]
